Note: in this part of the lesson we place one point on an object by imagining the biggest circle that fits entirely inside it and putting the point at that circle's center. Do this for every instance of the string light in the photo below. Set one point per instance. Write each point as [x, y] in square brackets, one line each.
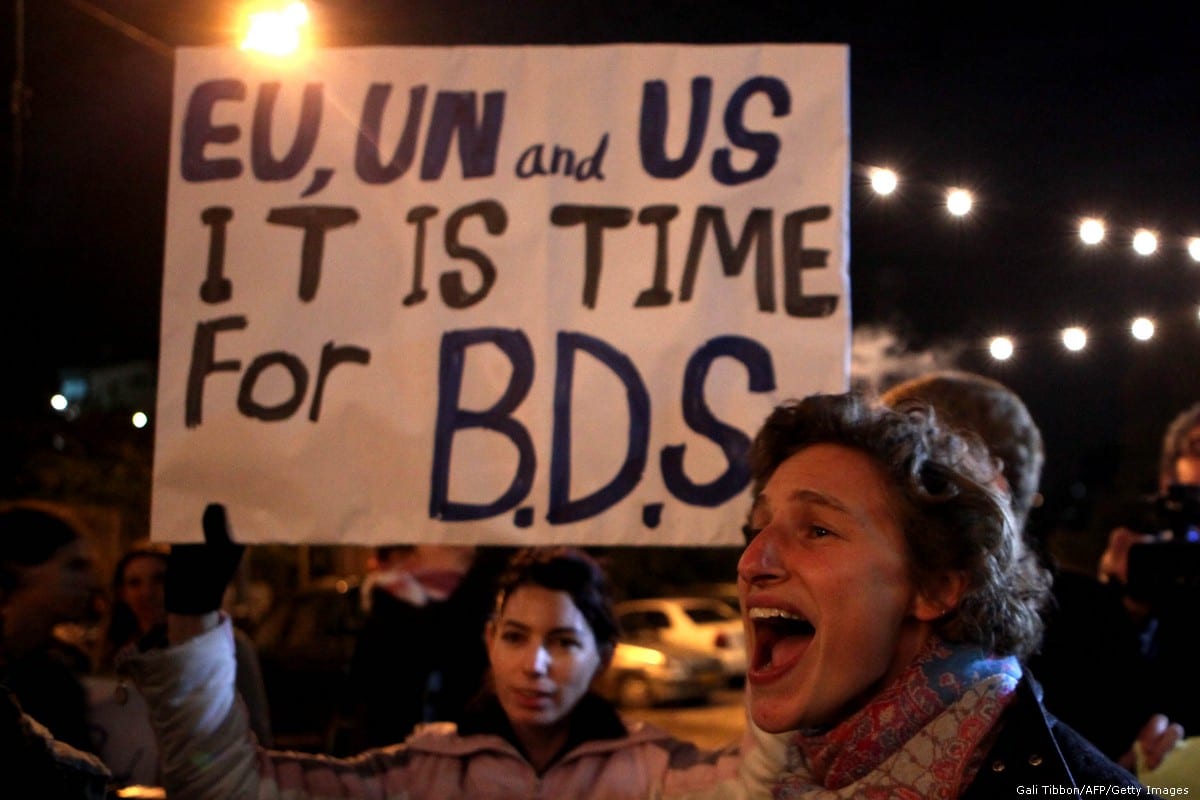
[1091, 230]
[1001, 348]
[1074, 339]
[1145, 242]
[884, 181]
[959, 202]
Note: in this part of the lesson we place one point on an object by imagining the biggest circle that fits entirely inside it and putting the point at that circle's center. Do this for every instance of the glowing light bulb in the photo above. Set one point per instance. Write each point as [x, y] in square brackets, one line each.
[1194, 248]
[959, 202]
[1145, 242]
[296, 14]
[884, 181]
[1091, 230]
[276, 32]
[1001, 348]
[139, 419]
[1142, 329]
[59, 403]
[1074, 339]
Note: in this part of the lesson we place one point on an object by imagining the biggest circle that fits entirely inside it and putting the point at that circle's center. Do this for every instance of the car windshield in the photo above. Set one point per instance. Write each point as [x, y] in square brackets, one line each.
[709, 613]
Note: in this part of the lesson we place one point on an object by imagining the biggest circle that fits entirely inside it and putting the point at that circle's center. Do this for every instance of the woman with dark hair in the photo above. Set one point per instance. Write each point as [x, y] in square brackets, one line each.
[46, 579]
[535, 731]
[889, 601]
[136, 605]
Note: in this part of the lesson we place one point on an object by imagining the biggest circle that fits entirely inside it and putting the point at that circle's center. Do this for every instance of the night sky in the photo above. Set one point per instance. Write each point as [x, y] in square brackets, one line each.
[1046, 117]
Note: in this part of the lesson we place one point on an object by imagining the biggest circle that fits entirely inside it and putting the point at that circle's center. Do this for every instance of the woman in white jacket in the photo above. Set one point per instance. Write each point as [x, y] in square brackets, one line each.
[536, 732]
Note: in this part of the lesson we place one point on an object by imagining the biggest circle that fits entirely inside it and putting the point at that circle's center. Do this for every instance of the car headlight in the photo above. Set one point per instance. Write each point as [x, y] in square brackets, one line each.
[645, 656]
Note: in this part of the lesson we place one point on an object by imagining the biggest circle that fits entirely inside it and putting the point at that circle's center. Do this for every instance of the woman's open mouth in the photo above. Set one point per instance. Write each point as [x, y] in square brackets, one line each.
[780, 639]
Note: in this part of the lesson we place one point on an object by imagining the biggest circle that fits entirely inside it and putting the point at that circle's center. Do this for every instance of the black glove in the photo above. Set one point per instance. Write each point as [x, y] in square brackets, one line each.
[197, 574]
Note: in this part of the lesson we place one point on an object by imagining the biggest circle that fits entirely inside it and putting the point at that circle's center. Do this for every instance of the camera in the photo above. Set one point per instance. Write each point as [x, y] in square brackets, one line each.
[1167, 571]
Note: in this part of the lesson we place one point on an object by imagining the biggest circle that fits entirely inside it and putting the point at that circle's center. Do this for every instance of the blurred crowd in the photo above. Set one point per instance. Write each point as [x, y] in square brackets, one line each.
[472, 666]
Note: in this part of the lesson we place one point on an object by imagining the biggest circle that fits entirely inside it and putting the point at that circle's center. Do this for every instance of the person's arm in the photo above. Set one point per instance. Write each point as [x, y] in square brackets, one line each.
[205, 746]
[251, 687]
[181, 627]
[747, 772]
[764, 760]
[1114, 568]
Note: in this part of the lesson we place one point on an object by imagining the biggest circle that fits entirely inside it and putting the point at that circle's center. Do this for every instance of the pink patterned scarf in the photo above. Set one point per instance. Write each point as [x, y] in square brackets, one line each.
[922, 737]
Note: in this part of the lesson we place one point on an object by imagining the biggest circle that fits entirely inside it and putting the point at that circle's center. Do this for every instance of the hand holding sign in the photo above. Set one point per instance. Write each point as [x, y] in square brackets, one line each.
[197, 574]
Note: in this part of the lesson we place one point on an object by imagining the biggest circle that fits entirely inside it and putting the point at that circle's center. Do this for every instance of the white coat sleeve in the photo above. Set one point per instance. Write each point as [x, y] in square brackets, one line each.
[204, 739]
[748, 772]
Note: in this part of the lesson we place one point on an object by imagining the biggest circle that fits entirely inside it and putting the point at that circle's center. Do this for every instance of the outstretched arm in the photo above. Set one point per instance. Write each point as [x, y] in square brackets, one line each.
[200, 723]
[203, 730]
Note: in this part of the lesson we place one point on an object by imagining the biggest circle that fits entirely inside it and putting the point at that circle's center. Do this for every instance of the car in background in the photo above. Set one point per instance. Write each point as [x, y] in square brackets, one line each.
[305, 645]
[726, 591]
[651, 673]
[706, 624]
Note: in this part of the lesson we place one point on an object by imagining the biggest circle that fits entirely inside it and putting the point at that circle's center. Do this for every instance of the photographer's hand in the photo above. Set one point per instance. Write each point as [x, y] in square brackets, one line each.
[1114, 568]
[1157, 737]
[1114, 562]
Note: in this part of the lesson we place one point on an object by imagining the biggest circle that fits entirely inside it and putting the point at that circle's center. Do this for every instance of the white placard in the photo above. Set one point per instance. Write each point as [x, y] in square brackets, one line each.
[495, 295]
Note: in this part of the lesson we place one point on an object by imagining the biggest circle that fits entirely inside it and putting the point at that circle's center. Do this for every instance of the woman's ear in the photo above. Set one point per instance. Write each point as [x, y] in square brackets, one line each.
[940, 598]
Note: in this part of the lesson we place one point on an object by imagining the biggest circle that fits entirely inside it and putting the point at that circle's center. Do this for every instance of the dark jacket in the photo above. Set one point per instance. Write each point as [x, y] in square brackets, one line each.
[1033, 748]
[38, 765]
[1091, 645]
[47, 682]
